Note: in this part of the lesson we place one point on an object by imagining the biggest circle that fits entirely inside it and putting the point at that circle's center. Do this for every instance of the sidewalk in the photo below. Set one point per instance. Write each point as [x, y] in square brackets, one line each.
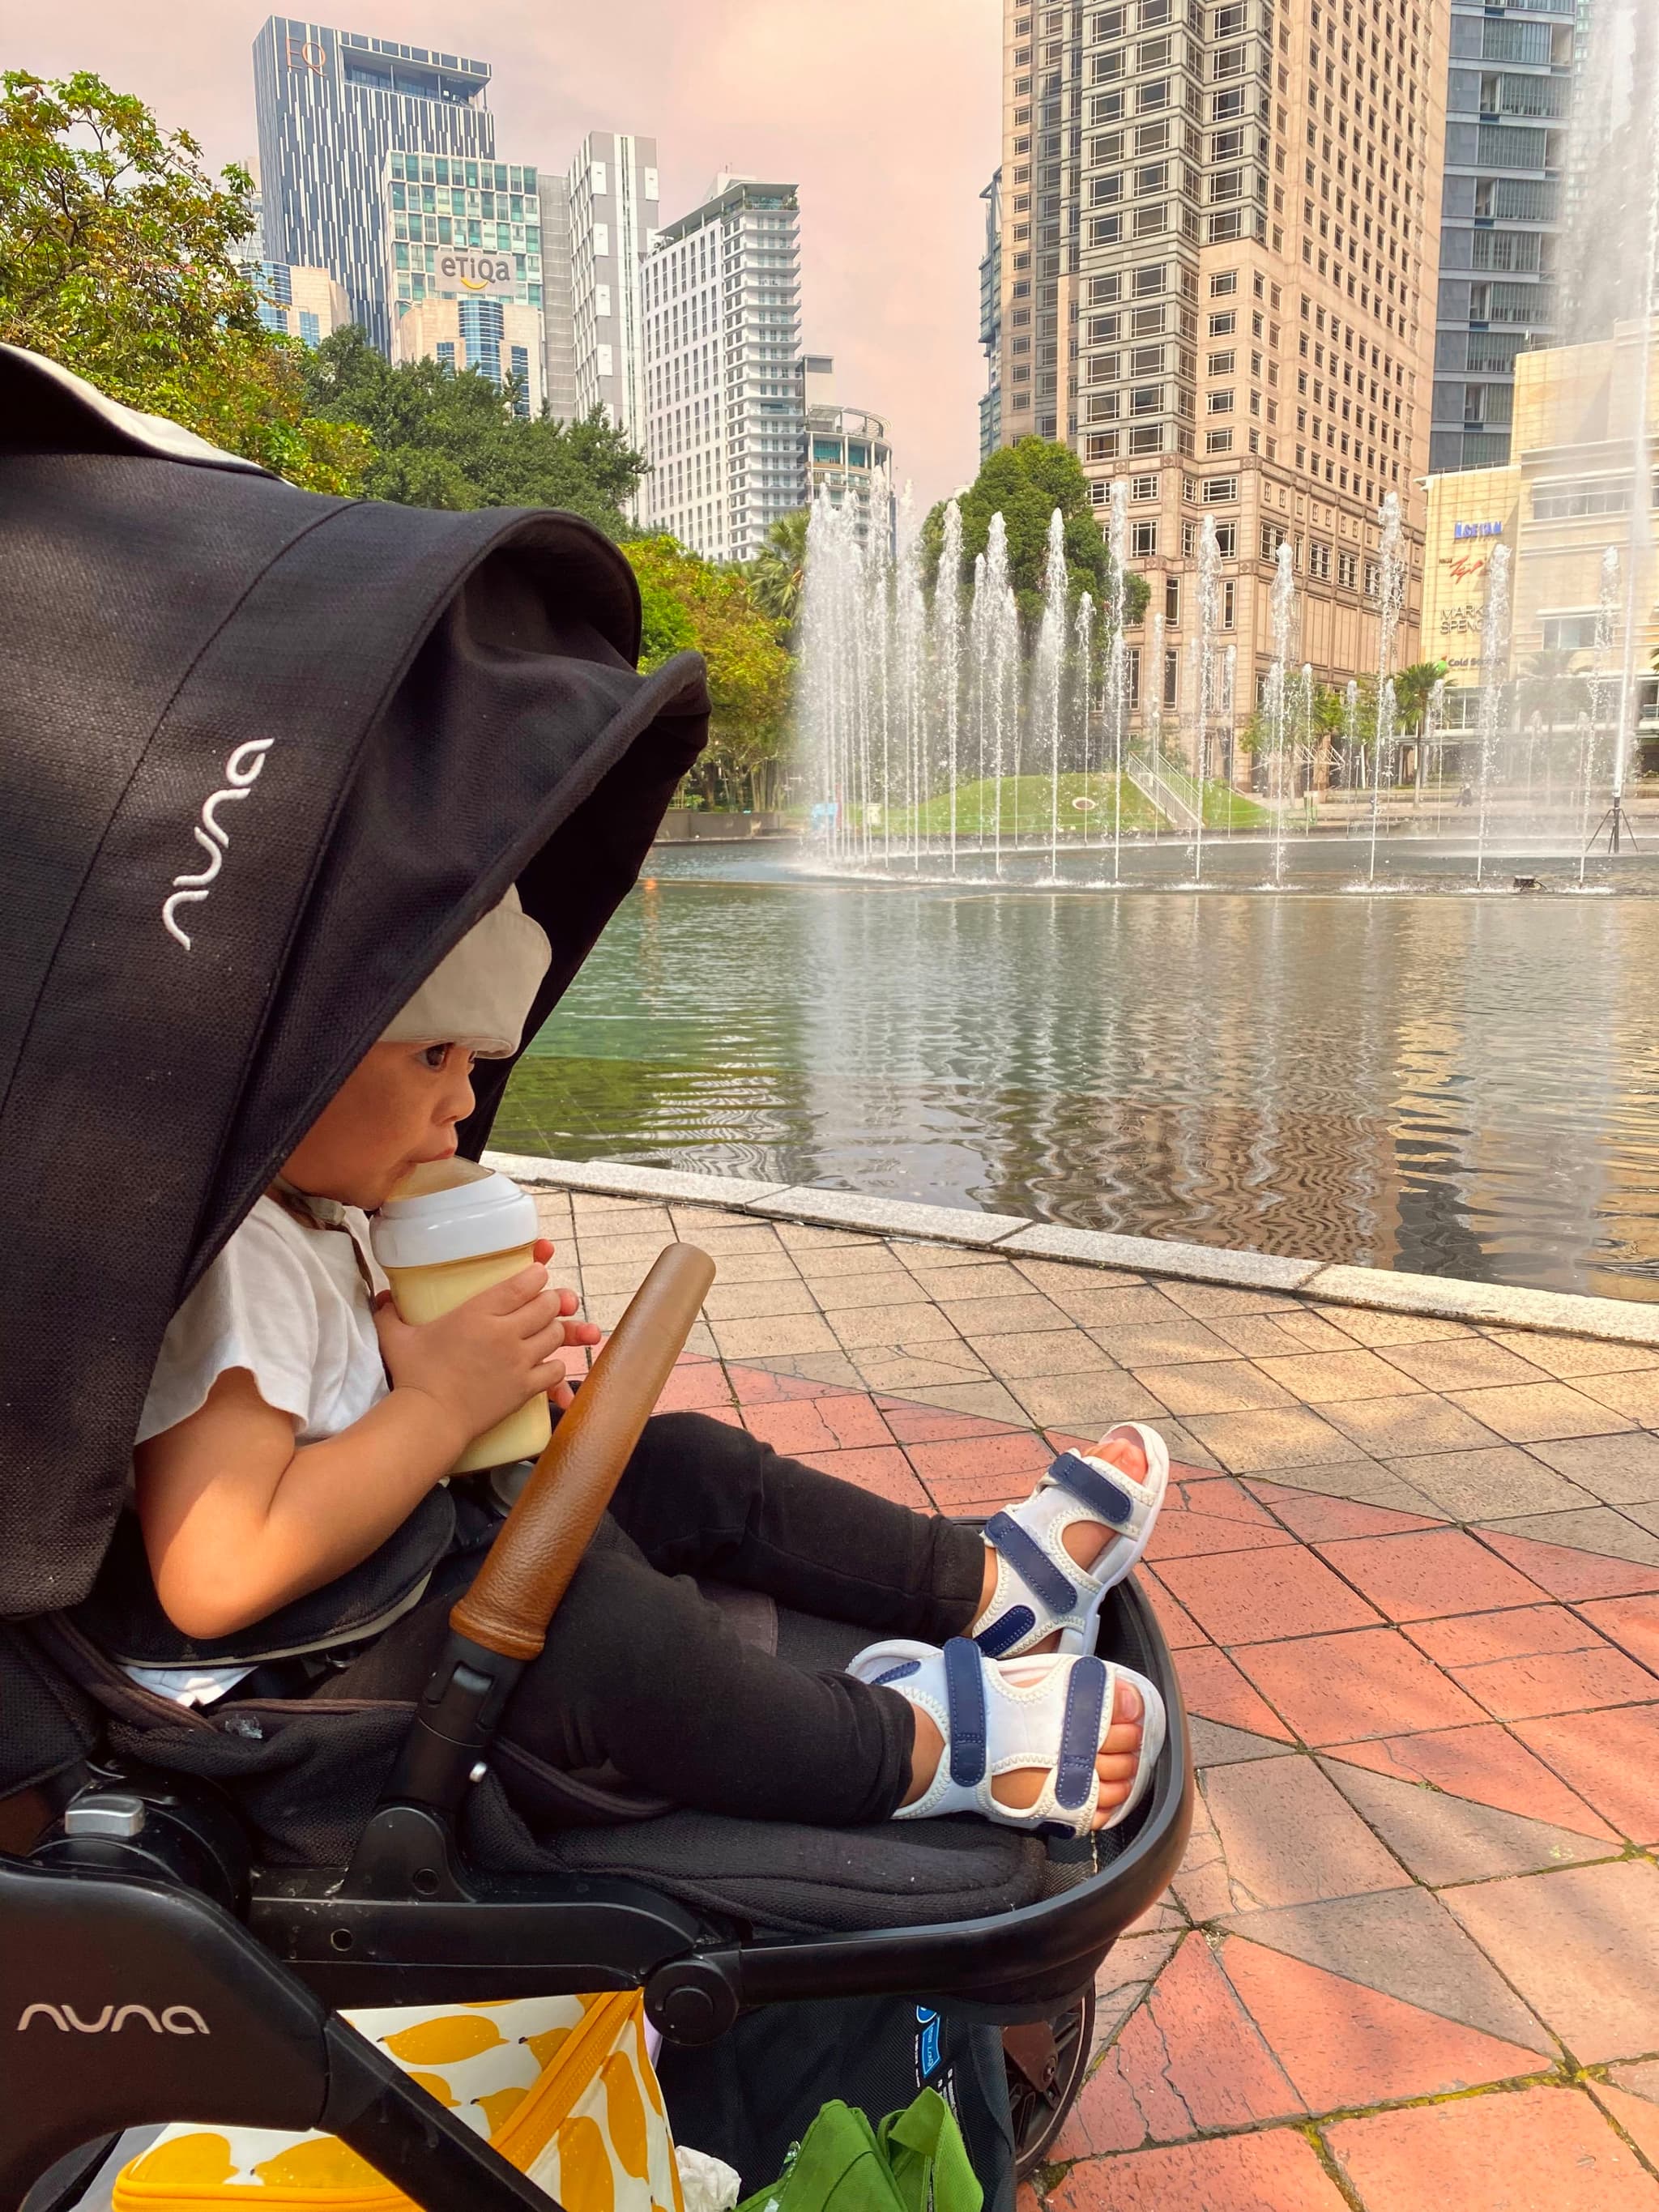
[1411, 1571]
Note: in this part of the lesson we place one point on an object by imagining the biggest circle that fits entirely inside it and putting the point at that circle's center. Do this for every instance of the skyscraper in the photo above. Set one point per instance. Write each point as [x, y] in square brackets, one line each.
[990, 319]
[1510, 85]
[1215, 221]
[724, 427]
[848, 460]
[558, 307]
[331, 106]
[612, 189]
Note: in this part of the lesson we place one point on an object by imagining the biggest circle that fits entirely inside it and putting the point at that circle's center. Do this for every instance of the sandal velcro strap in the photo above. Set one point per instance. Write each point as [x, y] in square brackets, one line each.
[1030, 1563]
[1107, 1500]
[1076, 1783]
[965, 1698]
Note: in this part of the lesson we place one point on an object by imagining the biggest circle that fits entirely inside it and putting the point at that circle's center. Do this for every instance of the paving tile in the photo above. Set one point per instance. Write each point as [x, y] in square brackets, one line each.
[745, 1340]
[846, 1209]
[1479, 1486]
[1484, 1764]
[923, 1252]
[724, 1244]
[1570, 1357]
[1213, 1386]
[1223, 1496]
[986, 1400]
[862, 1328]
[1635, 1394]
[882, 1469]
[1405, 1943]
[1189, 2059]
[838, 1293]
[1213, 1688]
[1476, 1638]
[1288, 1837]
[1180, 1534]
[807, 1236]
[1632, 2114]
[1619, 1470]
[1318, 1519]
[1098, 1301]
[792, 1425]
[1600, 1529]
[599, 1251]
[1539, 1412]
[1419, 1575]
[802, 1374]
[1339, 1689]
[821, 1263]
[1632, 1622]
[1363, 1481]
[1176, 1342]
[1319, 1378]
[1567, 1572]
[1246, 1598]
[1090, 1402]
[1039, 1351]
[1012, 1315]
[693, 1389]
[1216, 1745]
[1181, 1631]
[1463, 1363]
[882, 1369]
[1341, 2044]
[1581, 1947]
[1556, 1682]
[1376, 1328]
[1204, 1299]
[1391, 1428]
[1258, 1443]
[1274, 2171]
[1641, 2079]
[1441, 1840]
[742, 1300]
[1125, 1977]
[1611, 1759]
[1286, 1330]
[918, 1423]
[853, 1419]
[1546, 2147]
[774, 1265]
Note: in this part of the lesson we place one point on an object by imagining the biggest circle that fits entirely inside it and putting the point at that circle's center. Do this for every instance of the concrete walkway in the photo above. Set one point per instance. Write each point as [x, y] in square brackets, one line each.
[1411, 1572]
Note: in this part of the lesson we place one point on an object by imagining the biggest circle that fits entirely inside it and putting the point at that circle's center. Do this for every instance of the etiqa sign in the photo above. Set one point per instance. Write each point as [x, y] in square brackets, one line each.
[480, 275]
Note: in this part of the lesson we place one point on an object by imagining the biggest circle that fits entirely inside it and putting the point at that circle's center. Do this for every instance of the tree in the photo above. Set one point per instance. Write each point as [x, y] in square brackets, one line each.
[115, 261]
[1555, 685]
[777, 576]
[449, 441]
[1413, 688]
[690, 601]
[1025, 483]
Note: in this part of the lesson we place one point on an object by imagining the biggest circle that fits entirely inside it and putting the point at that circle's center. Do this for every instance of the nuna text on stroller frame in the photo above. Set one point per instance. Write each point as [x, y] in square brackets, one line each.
[267, 758]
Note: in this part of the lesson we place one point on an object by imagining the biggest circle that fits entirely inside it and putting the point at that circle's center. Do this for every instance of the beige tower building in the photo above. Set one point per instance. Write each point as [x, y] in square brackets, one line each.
[1220, 232]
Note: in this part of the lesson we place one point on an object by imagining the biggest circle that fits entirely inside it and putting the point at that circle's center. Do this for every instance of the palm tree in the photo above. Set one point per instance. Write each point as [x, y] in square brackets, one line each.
[776, 576]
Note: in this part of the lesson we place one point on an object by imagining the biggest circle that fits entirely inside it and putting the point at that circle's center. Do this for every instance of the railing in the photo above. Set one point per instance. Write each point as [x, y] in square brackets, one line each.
[1174, 793]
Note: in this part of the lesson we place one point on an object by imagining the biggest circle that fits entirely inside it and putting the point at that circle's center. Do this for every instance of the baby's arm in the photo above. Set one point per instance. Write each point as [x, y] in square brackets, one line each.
[239, 1520]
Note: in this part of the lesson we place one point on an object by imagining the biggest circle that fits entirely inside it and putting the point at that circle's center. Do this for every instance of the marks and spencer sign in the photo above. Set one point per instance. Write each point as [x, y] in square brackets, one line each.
[479, 275]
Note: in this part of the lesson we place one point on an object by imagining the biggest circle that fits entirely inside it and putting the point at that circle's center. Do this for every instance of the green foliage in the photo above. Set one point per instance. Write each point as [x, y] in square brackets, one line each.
[691, 601]
[1026, 803]
[1413, 689]
[777, 576]
[115, 262]
[1025, 483]
[453, 441]
[1330, 720]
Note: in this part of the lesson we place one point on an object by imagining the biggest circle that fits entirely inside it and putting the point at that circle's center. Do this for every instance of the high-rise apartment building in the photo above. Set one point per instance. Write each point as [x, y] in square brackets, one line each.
[331, 106]
[458, 230]
[500, 338]
[724, 430]
[1510, 85]
[848, 458]
[558, 307]
[990, 319]
[613, 196]
[1220, 227]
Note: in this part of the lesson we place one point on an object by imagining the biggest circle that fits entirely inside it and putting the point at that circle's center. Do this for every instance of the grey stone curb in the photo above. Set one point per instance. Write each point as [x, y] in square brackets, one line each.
[1441, 1297]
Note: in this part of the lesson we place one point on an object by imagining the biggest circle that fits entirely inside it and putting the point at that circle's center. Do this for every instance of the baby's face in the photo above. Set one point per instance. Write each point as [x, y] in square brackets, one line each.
[397, 1109]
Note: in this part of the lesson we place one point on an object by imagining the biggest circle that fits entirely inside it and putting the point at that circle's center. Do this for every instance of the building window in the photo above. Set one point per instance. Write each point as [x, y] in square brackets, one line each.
[1143, 488]
[1221, 491]
[1218, 441]
[1347, 571]
[1143, 540]
[1172, 602]
[445, 350]
[1220, 403]
[1569, 633]
[310, 328]
[1224, 284]
[1222, 364]
[1319, 562]
[1226, 540]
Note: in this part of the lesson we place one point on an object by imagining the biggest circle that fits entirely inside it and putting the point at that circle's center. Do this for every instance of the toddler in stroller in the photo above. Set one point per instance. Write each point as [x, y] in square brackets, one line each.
[273, 1460]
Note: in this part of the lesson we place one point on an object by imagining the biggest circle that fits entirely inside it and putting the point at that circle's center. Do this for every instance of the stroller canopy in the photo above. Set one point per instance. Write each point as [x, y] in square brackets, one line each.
[266, 757]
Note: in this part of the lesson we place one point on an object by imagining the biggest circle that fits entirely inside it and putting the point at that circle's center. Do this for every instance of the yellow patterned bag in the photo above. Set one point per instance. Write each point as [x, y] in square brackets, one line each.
[563, 2087]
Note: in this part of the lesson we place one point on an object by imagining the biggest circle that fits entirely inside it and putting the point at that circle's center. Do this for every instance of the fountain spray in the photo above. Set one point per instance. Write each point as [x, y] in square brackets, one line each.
[1494, 658]
[1117, 664]
[947, 635]
[1607, 623]
[1002, 648]
[1049, 675]
[1283, 616]
[1085, 653]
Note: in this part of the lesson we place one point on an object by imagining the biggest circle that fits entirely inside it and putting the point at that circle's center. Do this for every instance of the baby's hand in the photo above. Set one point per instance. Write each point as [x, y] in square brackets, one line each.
[480, 1363]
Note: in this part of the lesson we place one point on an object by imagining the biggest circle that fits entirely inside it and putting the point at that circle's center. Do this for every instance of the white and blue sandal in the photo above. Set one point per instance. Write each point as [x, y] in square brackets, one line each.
[1039, 1587]
[1050, 1712]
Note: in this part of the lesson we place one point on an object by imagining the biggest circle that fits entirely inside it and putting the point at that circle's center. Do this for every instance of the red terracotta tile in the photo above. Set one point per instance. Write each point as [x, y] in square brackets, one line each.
[1006, 1455]
[1342, 2045]
[1437, 1570]
[1287, 1837]
[1476, 1638]
[1249, 1597]
[1556, 1682]
[1633, 1622]
[1316, 1520]
[1569, 1574]
[1188, 2060]
[757, 1386]
[1278, 2171]
[1181, 1631]
[882, 1468]
[925, 1425]
[695, 1386]
[1222, 1497]
[1337, 1689]
[852, 1420]
[1215, 1689]
[1544, 2147]
[1181, 1535]
[1637, 2117]
[1484, 1764]
[1610, 1758]
[791, 1426]
[730, 1414]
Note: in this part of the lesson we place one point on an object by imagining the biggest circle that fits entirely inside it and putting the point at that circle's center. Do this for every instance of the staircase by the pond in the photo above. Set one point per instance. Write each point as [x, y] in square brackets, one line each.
[1174, 793]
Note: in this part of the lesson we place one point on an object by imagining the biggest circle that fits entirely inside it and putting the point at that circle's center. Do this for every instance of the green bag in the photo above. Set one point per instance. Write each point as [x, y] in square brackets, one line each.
[914, 2162]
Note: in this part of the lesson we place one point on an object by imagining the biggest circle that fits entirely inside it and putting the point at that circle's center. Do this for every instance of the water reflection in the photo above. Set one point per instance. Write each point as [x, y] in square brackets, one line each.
[1452, 1085]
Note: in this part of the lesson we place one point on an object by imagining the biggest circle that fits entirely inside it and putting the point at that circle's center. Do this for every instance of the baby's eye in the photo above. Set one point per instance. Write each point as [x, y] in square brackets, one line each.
[435, 1056]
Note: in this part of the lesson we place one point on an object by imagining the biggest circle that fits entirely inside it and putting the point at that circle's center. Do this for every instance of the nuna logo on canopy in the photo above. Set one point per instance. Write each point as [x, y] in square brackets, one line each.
[173, 2019]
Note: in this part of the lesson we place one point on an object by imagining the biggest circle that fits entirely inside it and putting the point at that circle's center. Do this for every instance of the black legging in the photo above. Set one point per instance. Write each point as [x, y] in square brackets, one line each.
[643, 1674]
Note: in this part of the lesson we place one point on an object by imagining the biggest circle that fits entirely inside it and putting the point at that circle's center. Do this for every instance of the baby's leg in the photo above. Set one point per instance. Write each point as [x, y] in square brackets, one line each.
[641, 1673]
[701, 1497]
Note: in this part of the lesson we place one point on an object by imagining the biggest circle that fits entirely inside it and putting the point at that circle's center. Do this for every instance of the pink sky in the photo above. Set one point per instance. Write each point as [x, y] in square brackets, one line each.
[885, 115]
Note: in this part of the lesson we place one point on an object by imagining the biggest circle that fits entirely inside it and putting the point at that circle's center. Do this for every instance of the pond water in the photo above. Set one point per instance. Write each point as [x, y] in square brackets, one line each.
[1460, 1085]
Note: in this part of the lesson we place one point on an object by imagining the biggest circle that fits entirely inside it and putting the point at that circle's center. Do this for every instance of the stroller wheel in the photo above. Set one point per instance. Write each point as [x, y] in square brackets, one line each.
[1046, 2061]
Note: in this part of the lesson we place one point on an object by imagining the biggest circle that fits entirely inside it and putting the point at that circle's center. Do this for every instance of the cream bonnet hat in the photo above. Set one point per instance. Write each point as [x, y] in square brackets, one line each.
[480, 994]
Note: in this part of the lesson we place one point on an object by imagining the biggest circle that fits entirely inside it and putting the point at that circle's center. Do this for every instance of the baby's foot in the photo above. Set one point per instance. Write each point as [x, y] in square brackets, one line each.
[1115, 1764]
[1030, 1602]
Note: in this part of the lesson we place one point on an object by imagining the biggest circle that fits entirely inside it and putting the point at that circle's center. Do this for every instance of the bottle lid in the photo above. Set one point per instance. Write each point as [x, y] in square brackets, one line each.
[451, 1210]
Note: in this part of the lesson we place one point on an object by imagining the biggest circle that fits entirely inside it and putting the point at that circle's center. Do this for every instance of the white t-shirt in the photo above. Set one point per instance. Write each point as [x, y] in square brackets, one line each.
[288, 1304]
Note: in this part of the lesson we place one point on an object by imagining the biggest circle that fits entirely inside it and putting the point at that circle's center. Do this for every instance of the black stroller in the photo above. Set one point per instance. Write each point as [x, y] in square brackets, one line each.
[266, 757]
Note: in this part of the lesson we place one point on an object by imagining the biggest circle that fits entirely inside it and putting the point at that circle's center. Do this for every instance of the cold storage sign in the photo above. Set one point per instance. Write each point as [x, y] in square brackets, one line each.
[478, 276]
